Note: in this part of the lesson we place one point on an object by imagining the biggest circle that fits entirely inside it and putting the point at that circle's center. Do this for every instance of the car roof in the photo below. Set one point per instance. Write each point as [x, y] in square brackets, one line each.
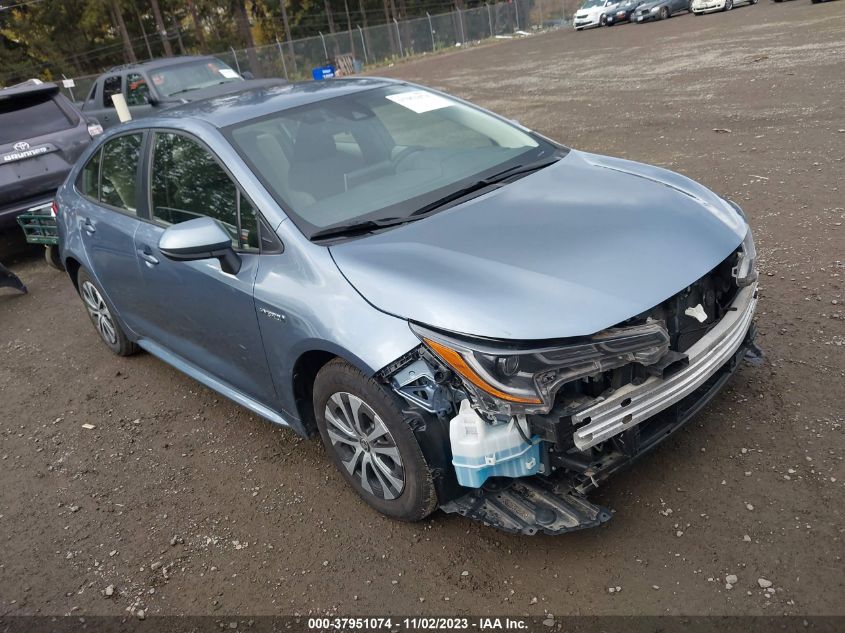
[32, 86]
[255, 101]
[161, 62]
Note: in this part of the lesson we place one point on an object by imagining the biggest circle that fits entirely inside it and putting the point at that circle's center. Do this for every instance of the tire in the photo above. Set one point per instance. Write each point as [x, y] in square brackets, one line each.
[371, 444]
[752, 1]
[603, 20]
[729, 4]
[664, 13]
[51, 255]
[101, 314]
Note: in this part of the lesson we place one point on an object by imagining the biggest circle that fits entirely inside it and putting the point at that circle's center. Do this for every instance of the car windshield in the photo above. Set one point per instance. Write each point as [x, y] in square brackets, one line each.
[174, 80]
[379, 154]
[589, 4]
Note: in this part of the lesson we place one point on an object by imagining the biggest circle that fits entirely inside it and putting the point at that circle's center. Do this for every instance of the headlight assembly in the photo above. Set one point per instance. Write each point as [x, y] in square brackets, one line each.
[510, 379]
[745, 270]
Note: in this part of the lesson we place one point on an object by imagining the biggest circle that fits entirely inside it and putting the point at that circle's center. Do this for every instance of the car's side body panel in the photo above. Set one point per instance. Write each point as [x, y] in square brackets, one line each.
[305, 304]
[302, 303]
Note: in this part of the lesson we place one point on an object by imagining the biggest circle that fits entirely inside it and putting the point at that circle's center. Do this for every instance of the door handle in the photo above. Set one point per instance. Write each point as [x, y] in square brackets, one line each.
[147, 256]
[88, 226]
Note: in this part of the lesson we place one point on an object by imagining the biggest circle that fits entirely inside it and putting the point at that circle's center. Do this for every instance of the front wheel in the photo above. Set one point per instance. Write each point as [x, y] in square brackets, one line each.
[102, 316]
[371, 444]
[664, 13]
[729, 5]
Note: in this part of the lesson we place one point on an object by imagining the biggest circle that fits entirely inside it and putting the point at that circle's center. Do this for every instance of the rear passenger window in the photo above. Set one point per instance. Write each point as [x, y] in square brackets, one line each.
[188, 183]
[118, 182]
[111, 86]
[89, 181]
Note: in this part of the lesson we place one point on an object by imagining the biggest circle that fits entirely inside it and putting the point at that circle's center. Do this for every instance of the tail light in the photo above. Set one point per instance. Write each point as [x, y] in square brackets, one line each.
[54, 209]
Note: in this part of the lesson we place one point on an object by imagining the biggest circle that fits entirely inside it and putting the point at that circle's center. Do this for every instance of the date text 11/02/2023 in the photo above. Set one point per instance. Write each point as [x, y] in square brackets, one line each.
[417, 623]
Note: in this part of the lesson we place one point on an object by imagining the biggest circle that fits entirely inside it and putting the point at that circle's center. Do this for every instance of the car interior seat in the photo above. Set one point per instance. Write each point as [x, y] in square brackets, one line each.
[318, 168]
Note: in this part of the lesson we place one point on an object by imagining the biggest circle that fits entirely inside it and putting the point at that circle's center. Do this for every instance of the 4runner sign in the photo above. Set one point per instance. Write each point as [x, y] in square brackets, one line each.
[23, 150]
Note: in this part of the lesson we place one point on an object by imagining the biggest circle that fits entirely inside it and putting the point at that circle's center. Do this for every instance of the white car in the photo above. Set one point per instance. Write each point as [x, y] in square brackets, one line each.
[593, 13]
[699, 7]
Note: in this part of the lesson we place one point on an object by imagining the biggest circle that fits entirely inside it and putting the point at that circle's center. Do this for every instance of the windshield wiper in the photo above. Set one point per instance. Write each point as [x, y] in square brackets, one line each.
[368, 226]
[484, 183]
[356, 228]
[200, 87]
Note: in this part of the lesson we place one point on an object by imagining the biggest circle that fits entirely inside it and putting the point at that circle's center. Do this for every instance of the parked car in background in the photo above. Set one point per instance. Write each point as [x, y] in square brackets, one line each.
[447, 298]
[42, 133]
[700, 7]
[660, 9]
[593, 13]
[150, 86]
[623, 12]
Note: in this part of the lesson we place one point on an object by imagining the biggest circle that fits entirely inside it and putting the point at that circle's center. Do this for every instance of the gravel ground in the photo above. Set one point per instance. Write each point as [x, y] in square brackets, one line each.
[178, 501]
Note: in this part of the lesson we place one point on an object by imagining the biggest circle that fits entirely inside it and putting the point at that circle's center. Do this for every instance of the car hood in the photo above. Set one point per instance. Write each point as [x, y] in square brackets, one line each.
[572, 249]
[651, 5]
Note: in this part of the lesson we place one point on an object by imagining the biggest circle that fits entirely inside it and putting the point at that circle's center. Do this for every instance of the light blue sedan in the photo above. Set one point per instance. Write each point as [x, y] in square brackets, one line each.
[470, 315]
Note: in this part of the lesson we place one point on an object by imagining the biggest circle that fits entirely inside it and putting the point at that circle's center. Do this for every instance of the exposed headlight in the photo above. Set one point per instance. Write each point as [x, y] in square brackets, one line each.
[517, 378]
[745, 270]
[655, 9]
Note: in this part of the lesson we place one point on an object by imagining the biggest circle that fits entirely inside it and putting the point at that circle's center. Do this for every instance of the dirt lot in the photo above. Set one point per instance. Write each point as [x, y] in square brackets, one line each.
[186, 503]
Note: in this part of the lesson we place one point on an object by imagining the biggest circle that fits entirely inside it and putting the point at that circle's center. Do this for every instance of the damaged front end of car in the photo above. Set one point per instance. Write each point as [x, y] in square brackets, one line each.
[518, 434]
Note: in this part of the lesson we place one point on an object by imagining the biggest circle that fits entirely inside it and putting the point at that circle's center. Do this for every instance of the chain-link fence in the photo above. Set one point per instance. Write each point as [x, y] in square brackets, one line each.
[385, 43]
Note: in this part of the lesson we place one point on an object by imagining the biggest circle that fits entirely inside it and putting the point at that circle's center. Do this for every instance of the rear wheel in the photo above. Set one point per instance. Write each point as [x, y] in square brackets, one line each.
[51, 255]
[371, 444]
[102, 316]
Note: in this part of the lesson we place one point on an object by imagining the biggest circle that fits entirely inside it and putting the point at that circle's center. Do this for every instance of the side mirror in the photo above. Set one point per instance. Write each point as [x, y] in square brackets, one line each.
[202, 238]
[247, 75]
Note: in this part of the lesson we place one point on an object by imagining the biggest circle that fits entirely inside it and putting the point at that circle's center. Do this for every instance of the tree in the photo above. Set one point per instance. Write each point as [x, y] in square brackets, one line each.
[162, 30]
[242, 19]
[121, 25]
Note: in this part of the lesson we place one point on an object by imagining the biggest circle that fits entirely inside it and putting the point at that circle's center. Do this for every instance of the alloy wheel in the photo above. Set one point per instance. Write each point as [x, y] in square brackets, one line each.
[99, 311]
[365, 445]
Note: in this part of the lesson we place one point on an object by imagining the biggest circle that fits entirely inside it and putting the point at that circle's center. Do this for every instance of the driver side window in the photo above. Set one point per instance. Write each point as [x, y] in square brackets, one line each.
[187, 183]
[137, 91]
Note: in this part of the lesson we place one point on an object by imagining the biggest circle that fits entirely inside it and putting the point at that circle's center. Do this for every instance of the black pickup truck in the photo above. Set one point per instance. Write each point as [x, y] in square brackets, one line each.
[160, 83]
[41, 135]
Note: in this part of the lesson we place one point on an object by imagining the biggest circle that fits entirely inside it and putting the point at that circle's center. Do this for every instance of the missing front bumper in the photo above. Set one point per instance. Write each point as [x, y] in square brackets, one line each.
[558, 503]
[630, 405]
[528, 506]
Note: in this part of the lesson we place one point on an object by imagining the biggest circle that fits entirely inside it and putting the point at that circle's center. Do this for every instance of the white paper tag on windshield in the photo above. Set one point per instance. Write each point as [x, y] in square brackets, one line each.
[228, 73]
[420, 101]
